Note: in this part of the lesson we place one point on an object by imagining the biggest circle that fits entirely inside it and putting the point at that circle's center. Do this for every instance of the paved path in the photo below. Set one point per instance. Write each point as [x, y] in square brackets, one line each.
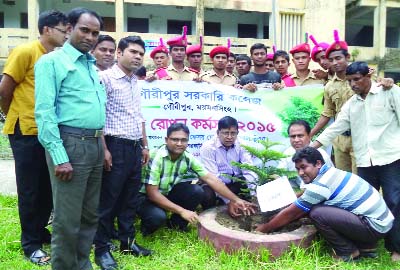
[7, 177]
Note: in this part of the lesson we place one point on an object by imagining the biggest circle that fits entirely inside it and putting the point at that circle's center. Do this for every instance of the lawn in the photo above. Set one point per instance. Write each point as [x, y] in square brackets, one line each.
[184, 251]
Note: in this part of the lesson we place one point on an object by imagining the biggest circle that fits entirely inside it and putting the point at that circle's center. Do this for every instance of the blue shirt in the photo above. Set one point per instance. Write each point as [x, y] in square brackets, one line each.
[67, 92]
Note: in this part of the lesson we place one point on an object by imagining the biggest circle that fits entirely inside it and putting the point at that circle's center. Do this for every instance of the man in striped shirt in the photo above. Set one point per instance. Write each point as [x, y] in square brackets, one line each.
[168, 185]
[217, 155]
[348, 212]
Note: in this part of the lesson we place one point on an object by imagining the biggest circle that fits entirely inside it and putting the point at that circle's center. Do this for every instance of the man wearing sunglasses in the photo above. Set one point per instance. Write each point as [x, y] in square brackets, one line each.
[217, 155]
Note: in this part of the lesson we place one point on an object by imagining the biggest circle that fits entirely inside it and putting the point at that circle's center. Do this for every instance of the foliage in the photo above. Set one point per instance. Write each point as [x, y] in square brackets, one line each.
[265, 172]
[184, 251]
[354, 54]
[391, 60]
[298, 109]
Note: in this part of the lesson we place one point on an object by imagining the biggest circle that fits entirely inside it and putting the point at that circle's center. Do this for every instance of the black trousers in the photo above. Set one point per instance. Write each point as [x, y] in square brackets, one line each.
[185, 194]
[33, 189]
[211, 199]
[119, 191]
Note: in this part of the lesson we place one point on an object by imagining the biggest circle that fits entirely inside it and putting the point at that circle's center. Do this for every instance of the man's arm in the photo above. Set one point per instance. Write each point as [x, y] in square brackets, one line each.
[236, 205]
[322, 122]
[7, 87]
[145, 146]
[287, 215]
[46, 92]
[160, 200]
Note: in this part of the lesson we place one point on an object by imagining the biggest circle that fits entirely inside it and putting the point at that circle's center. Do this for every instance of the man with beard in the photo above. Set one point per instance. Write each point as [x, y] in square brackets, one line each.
[301, 60]
[104, 52]
[17, 102]
[126, 150]
[219, 57]
[243, 65]
[260, 78]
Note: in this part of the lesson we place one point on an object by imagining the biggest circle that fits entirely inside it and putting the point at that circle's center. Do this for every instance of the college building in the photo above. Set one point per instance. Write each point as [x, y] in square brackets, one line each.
[371, 27]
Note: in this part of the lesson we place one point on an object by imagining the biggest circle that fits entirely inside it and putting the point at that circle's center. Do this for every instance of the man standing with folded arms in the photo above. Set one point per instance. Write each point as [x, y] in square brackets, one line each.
[70, 114]
[17, 101]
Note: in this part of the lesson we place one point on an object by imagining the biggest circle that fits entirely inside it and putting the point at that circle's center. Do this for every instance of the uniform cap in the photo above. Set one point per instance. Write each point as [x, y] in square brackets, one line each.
[180, 41]
[337, 44]
[318, 47]
[159, 48]
[197, 48]
[221, 50]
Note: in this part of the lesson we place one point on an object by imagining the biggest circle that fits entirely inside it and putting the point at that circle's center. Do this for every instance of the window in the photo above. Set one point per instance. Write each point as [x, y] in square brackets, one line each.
[291, 30]
[212, 29]
[175, 27]
[1, 20]
[247, 30]
[140, 25]
[23, 20]
[109, 24]
[266, 32]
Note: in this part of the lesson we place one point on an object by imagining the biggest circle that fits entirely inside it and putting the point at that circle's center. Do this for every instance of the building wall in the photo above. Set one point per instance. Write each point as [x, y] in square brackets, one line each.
[12, 13]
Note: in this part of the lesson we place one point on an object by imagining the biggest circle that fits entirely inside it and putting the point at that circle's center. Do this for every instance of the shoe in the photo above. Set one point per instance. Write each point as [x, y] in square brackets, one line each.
[112, 247]
[368, 253]
[39, 257]
[135, 250]
[106, 261]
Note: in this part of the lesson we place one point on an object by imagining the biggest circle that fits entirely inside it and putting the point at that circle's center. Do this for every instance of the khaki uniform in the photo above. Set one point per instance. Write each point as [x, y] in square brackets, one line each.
[186, 75]
[310, 79]
[212, 77]
[336, 93]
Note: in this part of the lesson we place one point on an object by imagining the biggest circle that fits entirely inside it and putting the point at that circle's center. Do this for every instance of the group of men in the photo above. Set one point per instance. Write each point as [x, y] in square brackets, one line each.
[79, 141]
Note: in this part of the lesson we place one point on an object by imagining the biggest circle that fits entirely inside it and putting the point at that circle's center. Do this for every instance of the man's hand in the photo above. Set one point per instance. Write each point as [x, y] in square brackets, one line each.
[145, 156]
[190, 216]
[239, 207]
[262, 228]
[320, 74]
[63, 171]
[107, 160]
[198, 79]
[238, 86]
[386, 83]
[277, 86]
[150, 78]
[252, 87]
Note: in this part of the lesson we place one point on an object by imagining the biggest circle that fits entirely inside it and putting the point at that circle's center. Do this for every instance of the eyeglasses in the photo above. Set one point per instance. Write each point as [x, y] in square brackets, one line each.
[60, 30]
[227, 133]
[181, 140]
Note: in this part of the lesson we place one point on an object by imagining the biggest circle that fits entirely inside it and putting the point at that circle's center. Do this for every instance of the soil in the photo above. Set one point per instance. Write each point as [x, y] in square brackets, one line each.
[248, 223]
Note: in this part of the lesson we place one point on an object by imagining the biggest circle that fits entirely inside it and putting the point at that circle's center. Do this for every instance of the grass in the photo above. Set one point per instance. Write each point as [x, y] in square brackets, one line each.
[184, 251]
[5, 150]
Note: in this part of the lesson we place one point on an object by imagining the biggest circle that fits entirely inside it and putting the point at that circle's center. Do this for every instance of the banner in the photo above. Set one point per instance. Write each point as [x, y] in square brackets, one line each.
[201, 105]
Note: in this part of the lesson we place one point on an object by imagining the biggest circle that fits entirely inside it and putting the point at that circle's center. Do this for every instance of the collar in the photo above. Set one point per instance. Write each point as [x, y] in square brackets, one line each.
[213, 73]
[74, 54]
[310, 75]
[373, 91]
[165, 154]
[185, 68]
[41, 47]
[119, 74]
[323, 169]
[336, 78]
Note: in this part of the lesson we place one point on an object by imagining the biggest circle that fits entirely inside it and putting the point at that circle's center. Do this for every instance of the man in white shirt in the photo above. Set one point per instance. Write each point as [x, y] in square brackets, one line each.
[373, 116]
[299, 134]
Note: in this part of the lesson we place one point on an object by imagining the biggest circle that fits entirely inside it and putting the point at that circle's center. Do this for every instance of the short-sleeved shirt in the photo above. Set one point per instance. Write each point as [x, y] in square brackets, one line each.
[165, 173]
[186, 75]
[212, 77]
[265, 80]
[336, 93]
[347, 191]
[20, 67]
[310, 79]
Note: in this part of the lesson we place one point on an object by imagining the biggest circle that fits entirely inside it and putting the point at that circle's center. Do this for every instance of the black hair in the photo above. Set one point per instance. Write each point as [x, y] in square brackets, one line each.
[357, 67]
[177, 127]
[102, 38]
[227, 122]
[51, 18]
[76, 13]
[310, 154]
[124, 42]
[258, 46]
[231, 54]
[141, 72]
[281, 53]
[300, 122]
[343, 51]
[243, 57]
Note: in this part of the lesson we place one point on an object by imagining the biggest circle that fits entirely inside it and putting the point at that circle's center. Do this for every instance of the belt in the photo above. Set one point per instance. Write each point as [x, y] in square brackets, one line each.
[347, 133]
[81, 132]
[118, 140]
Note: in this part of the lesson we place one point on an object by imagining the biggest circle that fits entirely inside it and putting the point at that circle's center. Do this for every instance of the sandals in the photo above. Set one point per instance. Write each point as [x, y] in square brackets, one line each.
[39, 257]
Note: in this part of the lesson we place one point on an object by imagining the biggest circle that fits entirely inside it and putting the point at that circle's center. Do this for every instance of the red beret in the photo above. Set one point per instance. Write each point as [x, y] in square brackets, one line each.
[195, 48]
[180, 41]
[337, 45]
[270, 56]
[159, 48]
[219, 50]
[304, 47]
[318, 47]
